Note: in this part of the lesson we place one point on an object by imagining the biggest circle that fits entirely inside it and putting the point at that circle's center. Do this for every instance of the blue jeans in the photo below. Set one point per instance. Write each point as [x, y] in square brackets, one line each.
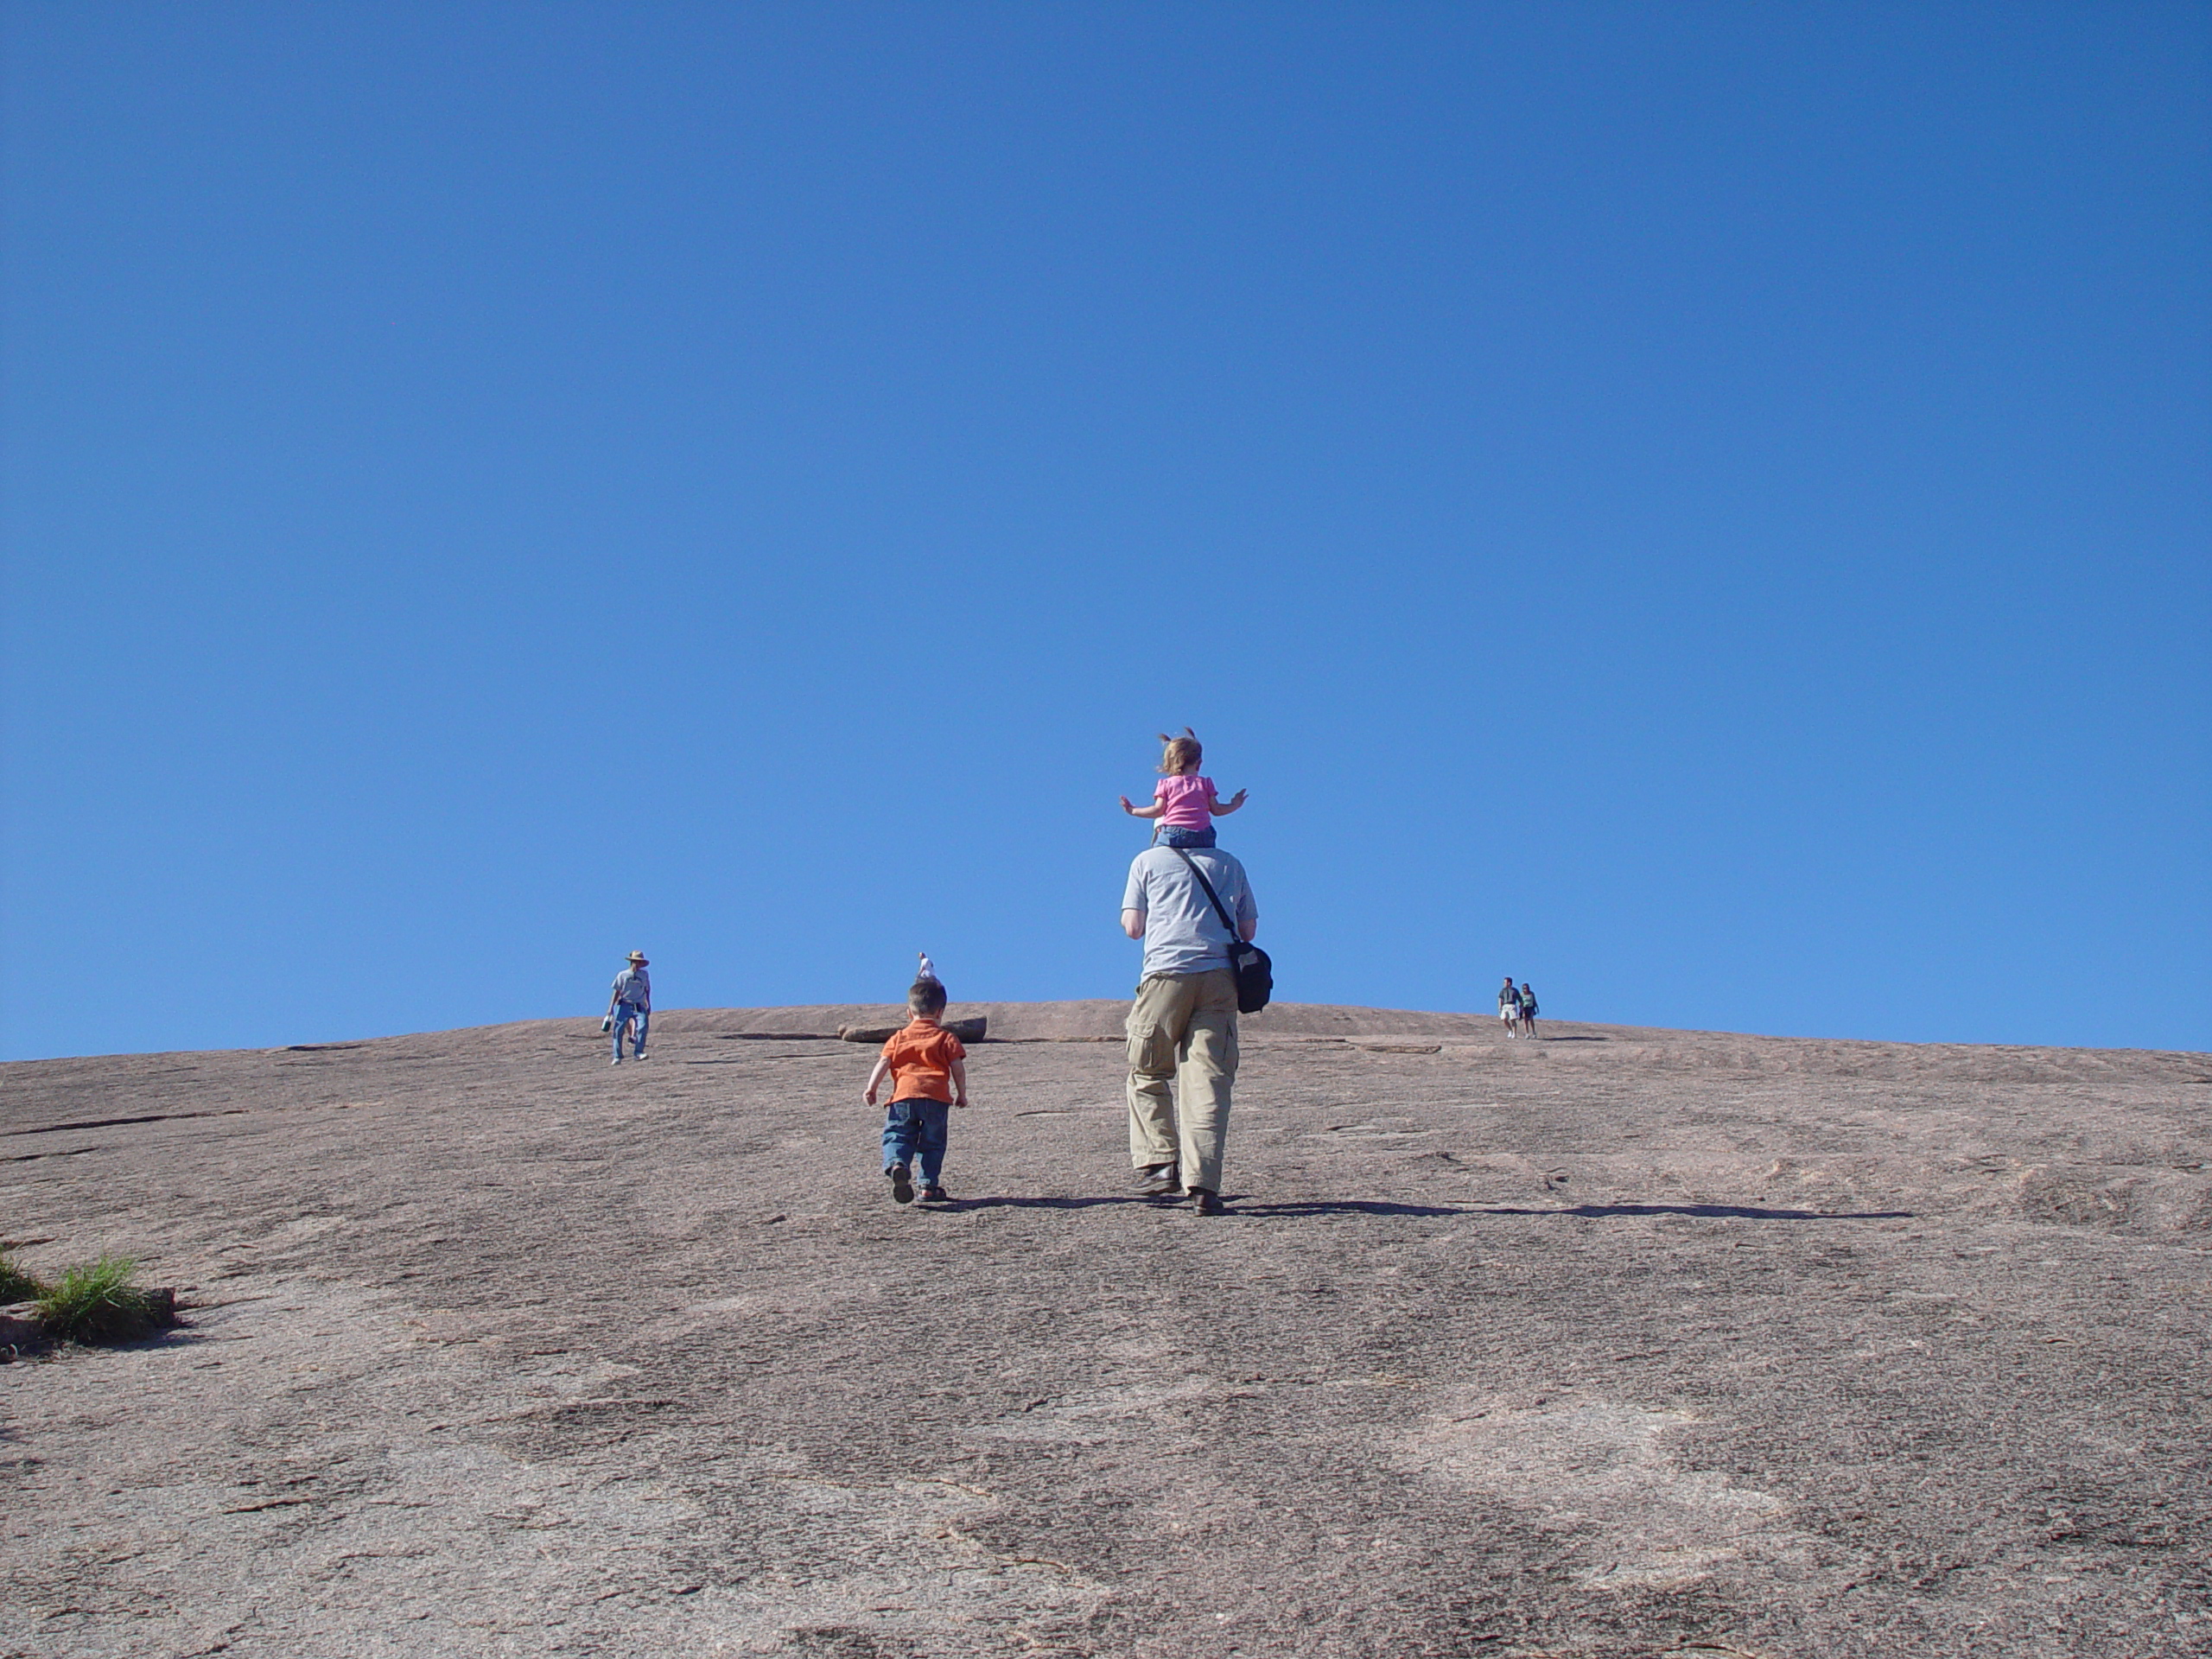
[913, 1127]
[625, 1014]
[1175, 836]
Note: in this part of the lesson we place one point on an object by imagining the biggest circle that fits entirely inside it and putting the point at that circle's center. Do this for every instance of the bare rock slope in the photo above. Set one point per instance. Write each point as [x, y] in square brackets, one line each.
[1616, 1343]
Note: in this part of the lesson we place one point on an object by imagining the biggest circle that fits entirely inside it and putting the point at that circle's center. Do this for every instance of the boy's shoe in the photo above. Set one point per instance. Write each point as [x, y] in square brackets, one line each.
[1157, 1180]
[936, 1195]
[902, 1183]
[1206, 1202]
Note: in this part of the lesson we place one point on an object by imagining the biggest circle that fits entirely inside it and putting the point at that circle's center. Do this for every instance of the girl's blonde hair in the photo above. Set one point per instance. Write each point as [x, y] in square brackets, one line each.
[1182, 754]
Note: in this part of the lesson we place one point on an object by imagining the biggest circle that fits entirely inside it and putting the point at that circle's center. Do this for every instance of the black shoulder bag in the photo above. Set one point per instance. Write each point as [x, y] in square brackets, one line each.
[1255, 974]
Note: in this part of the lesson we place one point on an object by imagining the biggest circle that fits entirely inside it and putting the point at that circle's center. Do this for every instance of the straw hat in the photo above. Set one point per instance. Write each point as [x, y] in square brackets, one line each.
[637, 956]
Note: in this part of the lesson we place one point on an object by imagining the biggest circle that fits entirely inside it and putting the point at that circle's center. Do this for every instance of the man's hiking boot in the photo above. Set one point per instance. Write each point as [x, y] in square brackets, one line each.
[1206, 1202]
[936, 1195]
[902, 1183]
[1157, 1180]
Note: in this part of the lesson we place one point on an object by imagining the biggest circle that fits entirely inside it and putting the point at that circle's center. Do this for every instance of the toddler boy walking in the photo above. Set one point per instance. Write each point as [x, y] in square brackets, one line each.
[929, 1077]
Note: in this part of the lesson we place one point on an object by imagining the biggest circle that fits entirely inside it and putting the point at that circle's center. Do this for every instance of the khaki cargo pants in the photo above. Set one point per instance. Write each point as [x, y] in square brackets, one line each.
[1182, 1028]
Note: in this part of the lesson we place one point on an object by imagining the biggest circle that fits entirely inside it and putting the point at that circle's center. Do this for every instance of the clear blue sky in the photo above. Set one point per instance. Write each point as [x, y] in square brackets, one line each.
[1707, 508]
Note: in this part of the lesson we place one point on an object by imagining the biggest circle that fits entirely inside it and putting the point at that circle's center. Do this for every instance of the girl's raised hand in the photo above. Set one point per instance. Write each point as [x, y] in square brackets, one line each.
[1127, 806]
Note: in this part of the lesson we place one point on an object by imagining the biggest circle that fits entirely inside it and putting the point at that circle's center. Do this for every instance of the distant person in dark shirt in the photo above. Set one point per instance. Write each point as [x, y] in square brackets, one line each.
[1509, 1008]
[1528, 1000]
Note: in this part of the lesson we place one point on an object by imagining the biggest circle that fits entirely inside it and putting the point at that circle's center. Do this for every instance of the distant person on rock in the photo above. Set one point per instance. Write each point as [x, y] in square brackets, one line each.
[1182, 1027]
[1186, 803]
[928, 1069]
[1509, 1007]
[631, 1008]
[928, 969]
[1528, 1000]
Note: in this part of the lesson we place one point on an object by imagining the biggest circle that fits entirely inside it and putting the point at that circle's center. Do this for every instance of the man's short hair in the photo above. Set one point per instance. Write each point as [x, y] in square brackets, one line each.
[925, 996]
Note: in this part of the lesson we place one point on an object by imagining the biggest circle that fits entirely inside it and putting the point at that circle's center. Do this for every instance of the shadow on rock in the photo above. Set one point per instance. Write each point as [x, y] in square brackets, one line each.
[1002, 1203]
[1739, 1211]
[1348, 1207]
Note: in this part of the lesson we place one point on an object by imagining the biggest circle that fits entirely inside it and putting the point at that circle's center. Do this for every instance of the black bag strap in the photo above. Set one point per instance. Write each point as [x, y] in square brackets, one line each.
[1220, 909]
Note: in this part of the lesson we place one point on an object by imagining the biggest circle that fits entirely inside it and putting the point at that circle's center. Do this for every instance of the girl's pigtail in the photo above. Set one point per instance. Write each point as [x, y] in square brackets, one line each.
[1175, 750]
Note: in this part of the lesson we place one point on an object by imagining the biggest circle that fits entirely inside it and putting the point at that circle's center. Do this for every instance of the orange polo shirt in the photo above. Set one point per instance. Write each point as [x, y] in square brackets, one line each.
[921, 1061]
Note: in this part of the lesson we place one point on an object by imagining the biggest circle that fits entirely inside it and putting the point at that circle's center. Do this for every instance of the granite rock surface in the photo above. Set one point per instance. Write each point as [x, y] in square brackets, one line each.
[1616, 1342]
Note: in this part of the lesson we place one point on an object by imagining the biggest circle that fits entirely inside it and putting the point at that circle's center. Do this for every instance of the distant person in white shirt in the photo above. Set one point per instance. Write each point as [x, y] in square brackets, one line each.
[631, 1008]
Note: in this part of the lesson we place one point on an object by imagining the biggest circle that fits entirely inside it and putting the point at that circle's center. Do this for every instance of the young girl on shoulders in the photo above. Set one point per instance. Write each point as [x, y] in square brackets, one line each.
[1186, 803]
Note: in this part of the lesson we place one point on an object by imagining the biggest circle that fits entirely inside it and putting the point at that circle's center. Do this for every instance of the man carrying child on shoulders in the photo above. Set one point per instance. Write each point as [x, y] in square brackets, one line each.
[1182, 1027]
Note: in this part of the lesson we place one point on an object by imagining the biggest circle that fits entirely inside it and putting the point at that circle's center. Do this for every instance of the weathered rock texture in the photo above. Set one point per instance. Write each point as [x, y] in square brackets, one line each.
[1617, 1343]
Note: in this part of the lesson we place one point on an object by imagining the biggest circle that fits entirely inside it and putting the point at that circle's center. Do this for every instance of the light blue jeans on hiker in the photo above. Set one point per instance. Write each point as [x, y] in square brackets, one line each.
[917, 1128]
[625, 1015]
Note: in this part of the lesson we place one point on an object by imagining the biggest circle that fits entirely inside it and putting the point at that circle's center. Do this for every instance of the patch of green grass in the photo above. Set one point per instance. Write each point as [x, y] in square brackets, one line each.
[98, 1304]
[16, 1285]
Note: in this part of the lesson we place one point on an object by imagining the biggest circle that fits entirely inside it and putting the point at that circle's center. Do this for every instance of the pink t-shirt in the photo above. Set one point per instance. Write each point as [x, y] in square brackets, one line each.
[1188, 799]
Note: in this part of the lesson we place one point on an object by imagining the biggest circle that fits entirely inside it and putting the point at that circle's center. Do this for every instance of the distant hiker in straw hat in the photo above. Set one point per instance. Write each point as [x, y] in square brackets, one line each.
[631, 1008]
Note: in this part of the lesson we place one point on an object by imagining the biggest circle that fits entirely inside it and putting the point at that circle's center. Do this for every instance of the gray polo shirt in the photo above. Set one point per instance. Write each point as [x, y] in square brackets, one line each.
[1183, 932]
[634, 985]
